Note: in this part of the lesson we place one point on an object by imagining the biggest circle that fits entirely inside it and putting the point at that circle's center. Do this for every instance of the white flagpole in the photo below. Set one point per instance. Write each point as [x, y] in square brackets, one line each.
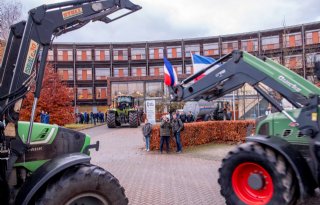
[234, 106]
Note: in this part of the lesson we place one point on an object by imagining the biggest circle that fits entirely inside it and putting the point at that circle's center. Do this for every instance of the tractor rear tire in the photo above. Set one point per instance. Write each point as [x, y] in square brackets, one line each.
[84, 184]
[133, 119]
[111, 120]
[253, 174]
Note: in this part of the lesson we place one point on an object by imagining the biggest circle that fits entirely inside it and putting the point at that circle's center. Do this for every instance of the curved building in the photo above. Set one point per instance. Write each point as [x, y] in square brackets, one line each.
[99, 71]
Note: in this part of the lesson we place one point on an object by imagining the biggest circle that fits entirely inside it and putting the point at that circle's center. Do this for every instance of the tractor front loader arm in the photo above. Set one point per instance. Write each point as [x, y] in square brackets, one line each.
[240, 67]
[44, 23]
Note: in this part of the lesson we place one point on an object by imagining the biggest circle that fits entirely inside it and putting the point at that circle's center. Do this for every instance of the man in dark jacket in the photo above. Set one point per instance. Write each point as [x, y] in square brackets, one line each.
[47, 118]
[183, 117]
[165, 127]
[177, 125]
[190, 117]
[146, 129]
[42, 116]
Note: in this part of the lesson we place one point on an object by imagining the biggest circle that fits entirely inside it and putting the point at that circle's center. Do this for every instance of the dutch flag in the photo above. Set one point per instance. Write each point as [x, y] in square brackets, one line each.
[200, 62]
[170, 75]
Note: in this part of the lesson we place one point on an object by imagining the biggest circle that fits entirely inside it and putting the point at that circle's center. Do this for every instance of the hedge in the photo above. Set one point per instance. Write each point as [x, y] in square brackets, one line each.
[198, 133]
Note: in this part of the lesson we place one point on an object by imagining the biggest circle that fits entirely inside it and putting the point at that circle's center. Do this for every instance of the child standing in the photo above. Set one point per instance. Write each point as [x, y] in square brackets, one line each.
[146, 129]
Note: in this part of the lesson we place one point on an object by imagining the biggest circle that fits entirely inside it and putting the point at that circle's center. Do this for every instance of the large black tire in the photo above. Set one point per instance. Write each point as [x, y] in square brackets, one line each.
[111, 120]
[133, 119]
[84, 184]
[272, 179]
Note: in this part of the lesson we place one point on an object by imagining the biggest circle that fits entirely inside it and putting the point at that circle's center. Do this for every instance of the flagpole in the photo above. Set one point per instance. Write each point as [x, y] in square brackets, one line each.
[234, 106]
[192, 63]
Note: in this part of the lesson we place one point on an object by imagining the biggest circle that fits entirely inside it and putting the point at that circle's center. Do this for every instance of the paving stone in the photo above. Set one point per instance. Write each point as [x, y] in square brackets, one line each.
[151, 178]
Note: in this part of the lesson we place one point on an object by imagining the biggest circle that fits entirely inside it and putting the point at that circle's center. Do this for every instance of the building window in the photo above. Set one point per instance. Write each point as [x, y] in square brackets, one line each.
[84, 55]
[194, 49]
[84, 93]
[293, 62]
[120, 72]
[138, 53]
[249, 45]
[84, 74]
[154, 89]
[270, 42]
[71, 92]
[136, 89]
[101, 92]
[65, 73]
[292, 40]
[178, 69]
[65, 55]
[50, 56]
[211, 49]
[102, 54]
[276, 59]
[119, 89]
[313, 37]
[228, 47]
[156, 53]
[310, 58]
[138, 71]
[120, 54]
[155, 71]
[174, 52]
[189, 69]
[102, 73]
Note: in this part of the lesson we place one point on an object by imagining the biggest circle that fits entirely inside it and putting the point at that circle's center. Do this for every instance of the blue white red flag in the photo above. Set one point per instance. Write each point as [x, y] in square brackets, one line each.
[200, 62]
[170, 75]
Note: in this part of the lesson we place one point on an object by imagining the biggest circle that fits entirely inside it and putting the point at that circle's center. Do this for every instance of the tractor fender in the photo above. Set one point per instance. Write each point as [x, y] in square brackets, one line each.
[50, 169]
[299, 165]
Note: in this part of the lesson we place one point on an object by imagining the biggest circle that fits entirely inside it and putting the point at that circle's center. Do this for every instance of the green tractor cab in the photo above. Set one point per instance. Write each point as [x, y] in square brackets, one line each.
[123, 112]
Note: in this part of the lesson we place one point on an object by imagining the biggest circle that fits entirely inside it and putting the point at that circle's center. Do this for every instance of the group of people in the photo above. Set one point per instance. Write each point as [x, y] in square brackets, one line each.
[175, 125]
[92, 118]
[185, 118]
[44, 117]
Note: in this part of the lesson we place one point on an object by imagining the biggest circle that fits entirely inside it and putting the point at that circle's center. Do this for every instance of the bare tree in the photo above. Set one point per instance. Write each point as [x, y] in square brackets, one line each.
[10, 13]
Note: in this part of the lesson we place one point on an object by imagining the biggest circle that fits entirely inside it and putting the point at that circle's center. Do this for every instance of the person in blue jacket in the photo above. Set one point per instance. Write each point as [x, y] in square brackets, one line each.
[42, 116]
[47, 118]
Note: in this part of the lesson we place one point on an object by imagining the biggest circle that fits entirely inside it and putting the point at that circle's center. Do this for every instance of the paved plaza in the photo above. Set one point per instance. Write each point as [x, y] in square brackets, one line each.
[161, 179]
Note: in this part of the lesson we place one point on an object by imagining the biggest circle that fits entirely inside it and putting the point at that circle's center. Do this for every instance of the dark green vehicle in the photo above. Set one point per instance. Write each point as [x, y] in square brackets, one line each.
[40, 163]
[123, 112]
[281, 162]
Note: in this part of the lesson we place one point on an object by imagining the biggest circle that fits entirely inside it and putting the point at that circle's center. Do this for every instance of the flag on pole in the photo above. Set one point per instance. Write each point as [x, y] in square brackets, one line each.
[200, 62]
[170, 75]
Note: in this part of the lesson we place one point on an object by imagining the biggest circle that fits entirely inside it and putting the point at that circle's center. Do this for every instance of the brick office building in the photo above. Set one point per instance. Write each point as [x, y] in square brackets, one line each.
[100, 71]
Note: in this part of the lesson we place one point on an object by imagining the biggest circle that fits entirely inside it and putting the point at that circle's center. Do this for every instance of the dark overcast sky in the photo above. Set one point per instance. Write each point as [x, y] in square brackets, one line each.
[176, 19]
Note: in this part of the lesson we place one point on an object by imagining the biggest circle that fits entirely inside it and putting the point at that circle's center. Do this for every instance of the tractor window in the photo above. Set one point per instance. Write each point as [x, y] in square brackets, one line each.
[124, 99]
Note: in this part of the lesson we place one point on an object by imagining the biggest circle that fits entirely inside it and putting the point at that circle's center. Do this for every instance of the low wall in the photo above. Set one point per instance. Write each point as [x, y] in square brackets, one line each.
[204, 132]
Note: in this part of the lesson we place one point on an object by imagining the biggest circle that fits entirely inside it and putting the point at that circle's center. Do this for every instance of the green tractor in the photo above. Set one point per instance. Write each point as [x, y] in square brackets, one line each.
[41, 163]
[123, 112]
[280, 163]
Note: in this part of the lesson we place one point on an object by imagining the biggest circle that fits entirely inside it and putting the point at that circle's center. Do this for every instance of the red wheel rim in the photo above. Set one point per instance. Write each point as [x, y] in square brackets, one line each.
[244, 191]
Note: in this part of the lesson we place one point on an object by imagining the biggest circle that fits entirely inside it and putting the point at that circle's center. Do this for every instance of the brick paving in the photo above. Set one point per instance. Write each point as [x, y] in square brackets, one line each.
[161, 179]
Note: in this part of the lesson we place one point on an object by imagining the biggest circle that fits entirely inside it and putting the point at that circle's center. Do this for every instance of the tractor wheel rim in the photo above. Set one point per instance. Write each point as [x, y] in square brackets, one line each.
[259, 195]
[87, 198]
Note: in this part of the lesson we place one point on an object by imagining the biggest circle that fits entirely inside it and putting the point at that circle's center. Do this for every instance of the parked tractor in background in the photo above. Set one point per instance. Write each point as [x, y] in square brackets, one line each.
[124, 111]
